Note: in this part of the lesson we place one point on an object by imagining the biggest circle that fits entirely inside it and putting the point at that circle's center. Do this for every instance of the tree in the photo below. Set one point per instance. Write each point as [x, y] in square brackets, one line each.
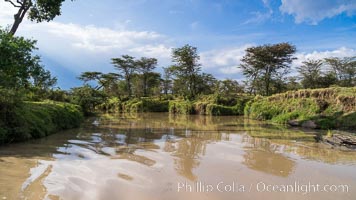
[229, 88]
[186, 69]
[19, 67]
[344, 69]
[167, 81]
[127, 66]
[292, 83]
[264, 64]
[145, 67]
[87, 97]
[310, 73]
[102, 80]
[205, 83]
[38, 11]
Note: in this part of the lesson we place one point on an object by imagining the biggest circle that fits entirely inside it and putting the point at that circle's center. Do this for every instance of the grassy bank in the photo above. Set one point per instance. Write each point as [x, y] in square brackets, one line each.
[28, 120]
[326, 108]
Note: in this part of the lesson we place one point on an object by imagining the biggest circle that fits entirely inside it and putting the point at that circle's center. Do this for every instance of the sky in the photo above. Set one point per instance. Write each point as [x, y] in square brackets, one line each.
[91, 32]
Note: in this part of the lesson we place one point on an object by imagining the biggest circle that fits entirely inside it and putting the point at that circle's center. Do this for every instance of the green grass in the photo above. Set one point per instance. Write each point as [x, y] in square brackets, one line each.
[329, 108]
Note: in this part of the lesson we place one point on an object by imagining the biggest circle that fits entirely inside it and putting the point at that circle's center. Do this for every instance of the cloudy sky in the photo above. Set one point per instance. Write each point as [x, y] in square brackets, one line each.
[90, 32]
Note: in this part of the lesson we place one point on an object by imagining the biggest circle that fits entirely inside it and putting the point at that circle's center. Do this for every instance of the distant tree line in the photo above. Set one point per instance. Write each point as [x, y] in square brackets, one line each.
[267, 70]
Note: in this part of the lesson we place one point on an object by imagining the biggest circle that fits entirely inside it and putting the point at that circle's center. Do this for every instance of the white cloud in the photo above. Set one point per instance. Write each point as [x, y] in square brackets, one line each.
[225, 61]
[7, 12]
[260, 17]
[88, 47]
[315, 55]
[314, 11]
[156, 51]
[92, 38]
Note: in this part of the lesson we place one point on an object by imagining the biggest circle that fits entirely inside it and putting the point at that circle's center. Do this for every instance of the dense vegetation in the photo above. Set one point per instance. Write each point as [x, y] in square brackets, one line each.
[323, 108]
[30, 120]
[24, 87]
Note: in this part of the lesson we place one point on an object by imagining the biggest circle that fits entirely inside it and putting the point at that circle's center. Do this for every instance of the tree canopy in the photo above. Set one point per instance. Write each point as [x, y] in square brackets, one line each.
[19, 67]
[265, 65]
[38, 11]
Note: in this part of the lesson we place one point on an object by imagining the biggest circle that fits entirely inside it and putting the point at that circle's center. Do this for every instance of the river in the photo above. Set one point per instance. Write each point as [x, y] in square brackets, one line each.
[157, 156]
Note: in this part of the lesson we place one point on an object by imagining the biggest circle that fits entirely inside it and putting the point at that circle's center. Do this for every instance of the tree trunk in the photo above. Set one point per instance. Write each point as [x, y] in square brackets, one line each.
[18, 17]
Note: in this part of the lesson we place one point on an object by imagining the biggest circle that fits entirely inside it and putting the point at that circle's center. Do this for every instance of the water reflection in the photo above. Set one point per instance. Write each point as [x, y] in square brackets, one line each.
[143, 156]
[264, 156]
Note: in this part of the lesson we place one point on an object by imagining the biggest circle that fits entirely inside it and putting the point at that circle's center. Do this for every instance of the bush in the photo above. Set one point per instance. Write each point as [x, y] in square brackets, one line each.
[38, 119]
[181, 107]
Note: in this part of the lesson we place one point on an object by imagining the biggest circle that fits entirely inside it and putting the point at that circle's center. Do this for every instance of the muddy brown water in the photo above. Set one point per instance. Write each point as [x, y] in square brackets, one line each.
[158, 156]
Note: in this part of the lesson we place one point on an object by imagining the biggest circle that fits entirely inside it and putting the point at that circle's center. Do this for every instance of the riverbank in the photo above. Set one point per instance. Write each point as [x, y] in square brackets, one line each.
[31, 120]
[330, 108]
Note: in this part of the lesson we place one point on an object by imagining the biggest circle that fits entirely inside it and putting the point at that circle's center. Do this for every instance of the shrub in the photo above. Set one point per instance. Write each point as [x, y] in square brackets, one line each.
[181, 107]
[38, 119]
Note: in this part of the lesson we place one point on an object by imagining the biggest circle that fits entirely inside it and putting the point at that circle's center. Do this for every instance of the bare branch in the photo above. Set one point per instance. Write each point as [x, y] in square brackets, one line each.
[17, 6]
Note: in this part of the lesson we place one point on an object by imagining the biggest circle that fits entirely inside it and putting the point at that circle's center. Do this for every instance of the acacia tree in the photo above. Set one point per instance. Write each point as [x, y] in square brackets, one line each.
[127, 66]
[102, 80]
[38, 11]
[186, 70]
[310, 73]
[145, 67]
[263, 65]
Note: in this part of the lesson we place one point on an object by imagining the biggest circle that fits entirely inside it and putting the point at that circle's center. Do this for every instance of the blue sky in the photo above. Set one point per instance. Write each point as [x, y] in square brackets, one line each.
[90, 32]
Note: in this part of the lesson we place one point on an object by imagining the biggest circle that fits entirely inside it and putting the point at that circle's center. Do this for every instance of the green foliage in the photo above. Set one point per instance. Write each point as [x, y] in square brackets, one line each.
[328, 108]
[88, 98]
[214, 109]
[37, 119]
[186, 71]
[344, 69]
[264, 66]
[145, 105]
[111, 105]
[181, 107]
[39, 10]
[18, 66]
[127, 66]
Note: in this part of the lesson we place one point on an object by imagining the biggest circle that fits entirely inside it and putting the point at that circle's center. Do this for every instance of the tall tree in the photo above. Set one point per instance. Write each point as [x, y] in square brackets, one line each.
[145, 67]
[310, 73]
[167, 81]
[264, 64]
[186, 69]
[38, 11]
[127, 66]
